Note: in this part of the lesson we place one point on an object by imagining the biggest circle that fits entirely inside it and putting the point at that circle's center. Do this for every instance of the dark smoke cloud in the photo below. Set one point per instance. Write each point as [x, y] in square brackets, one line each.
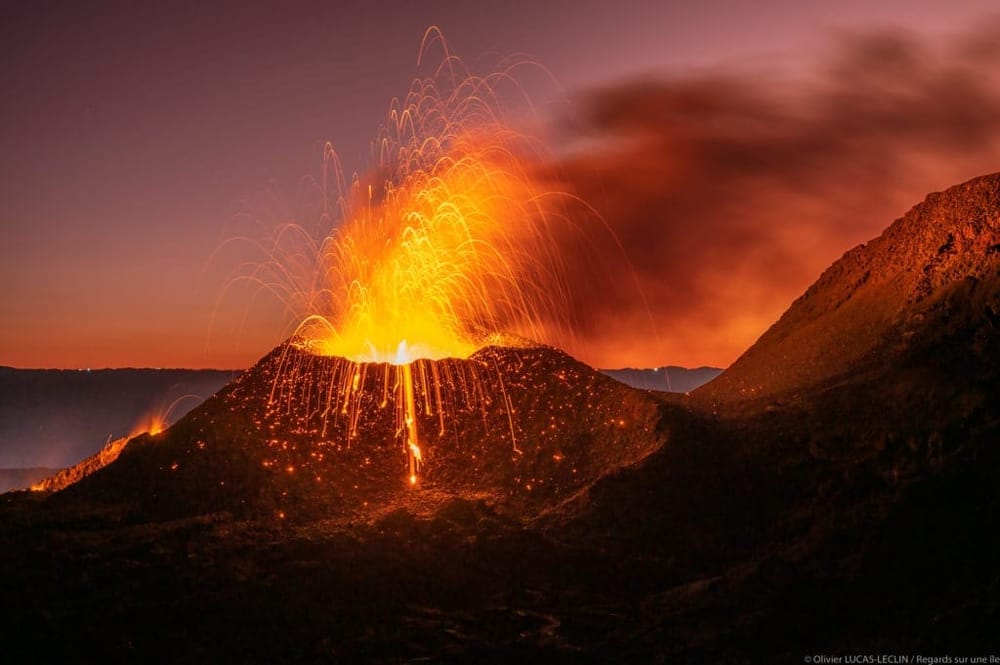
[731, 192]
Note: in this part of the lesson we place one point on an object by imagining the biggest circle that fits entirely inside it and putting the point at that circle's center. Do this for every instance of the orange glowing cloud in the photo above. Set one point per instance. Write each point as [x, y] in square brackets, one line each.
[731, 193]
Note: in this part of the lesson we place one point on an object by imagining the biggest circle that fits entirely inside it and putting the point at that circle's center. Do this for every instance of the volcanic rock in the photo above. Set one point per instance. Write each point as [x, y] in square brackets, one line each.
[300, 435]
[836, 488]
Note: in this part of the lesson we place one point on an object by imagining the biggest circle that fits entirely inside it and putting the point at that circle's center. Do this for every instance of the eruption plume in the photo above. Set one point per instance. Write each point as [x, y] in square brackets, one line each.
[447, 248]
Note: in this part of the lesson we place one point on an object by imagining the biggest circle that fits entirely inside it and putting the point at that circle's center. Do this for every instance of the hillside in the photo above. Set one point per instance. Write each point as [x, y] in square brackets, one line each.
[882, 299]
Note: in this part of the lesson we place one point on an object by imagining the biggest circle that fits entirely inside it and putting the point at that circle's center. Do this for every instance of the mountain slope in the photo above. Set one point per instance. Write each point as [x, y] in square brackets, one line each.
[874, 303]
[862, 483]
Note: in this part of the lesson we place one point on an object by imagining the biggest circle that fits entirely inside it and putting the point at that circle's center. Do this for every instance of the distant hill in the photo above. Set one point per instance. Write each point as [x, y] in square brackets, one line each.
[55, 418]
[671, 379]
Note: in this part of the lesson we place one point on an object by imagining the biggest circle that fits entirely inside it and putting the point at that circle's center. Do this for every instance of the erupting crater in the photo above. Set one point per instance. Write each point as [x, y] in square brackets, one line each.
[306, 436]
[407, 352]
[453, 245]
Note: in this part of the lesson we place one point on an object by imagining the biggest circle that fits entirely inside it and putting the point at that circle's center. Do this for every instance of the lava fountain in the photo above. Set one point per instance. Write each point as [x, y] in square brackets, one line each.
[450, 246]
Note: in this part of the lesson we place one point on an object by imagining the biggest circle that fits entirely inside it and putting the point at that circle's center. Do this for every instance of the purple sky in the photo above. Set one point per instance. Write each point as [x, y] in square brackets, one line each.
[131, 135]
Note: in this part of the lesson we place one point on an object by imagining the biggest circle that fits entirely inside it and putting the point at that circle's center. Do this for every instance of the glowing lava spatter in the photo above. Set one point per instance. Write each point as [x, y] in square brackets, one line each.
[451, 253]
[450, 247]
[158, 419]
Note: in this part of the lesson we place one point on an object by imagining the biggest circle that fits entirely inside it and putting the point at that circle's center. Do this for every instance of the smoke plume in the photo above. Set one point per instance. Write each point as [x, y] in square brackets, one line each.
[731, 191]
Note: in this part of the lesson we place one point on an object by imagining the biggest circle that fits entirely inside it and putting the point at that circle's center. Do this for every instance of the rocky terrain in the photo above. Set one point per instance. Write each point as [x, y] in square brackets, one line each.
[834, 492]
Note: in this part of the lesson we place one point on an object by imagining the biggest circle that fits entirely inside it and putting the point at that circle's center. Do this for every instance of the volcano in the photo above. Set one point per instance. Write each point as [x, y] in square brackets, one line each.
[833, 492]
[526, 428]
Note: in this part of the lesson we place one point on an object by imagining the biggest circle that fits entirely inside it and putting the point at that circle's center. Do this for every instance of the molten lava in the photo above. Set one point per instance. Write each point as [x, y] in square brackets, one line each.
[454, 250]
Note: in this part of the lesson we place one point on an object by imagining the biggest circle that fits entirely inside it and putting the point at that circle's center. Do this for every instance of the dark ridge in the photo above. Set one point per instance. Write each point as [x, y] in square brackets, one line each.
[872, 305]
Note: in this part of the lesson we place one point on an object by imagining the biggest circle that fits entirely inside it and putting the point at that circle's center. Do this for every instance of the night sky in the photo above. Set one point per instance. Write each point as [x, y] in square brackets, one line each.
[743, 147]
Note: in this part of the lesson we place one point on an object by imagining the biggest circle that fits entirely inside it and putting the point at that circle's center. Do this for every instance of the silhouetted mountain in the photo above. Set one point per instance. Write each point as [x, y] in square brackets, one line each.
[670, 379]
[55, 418]
[850, 506]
